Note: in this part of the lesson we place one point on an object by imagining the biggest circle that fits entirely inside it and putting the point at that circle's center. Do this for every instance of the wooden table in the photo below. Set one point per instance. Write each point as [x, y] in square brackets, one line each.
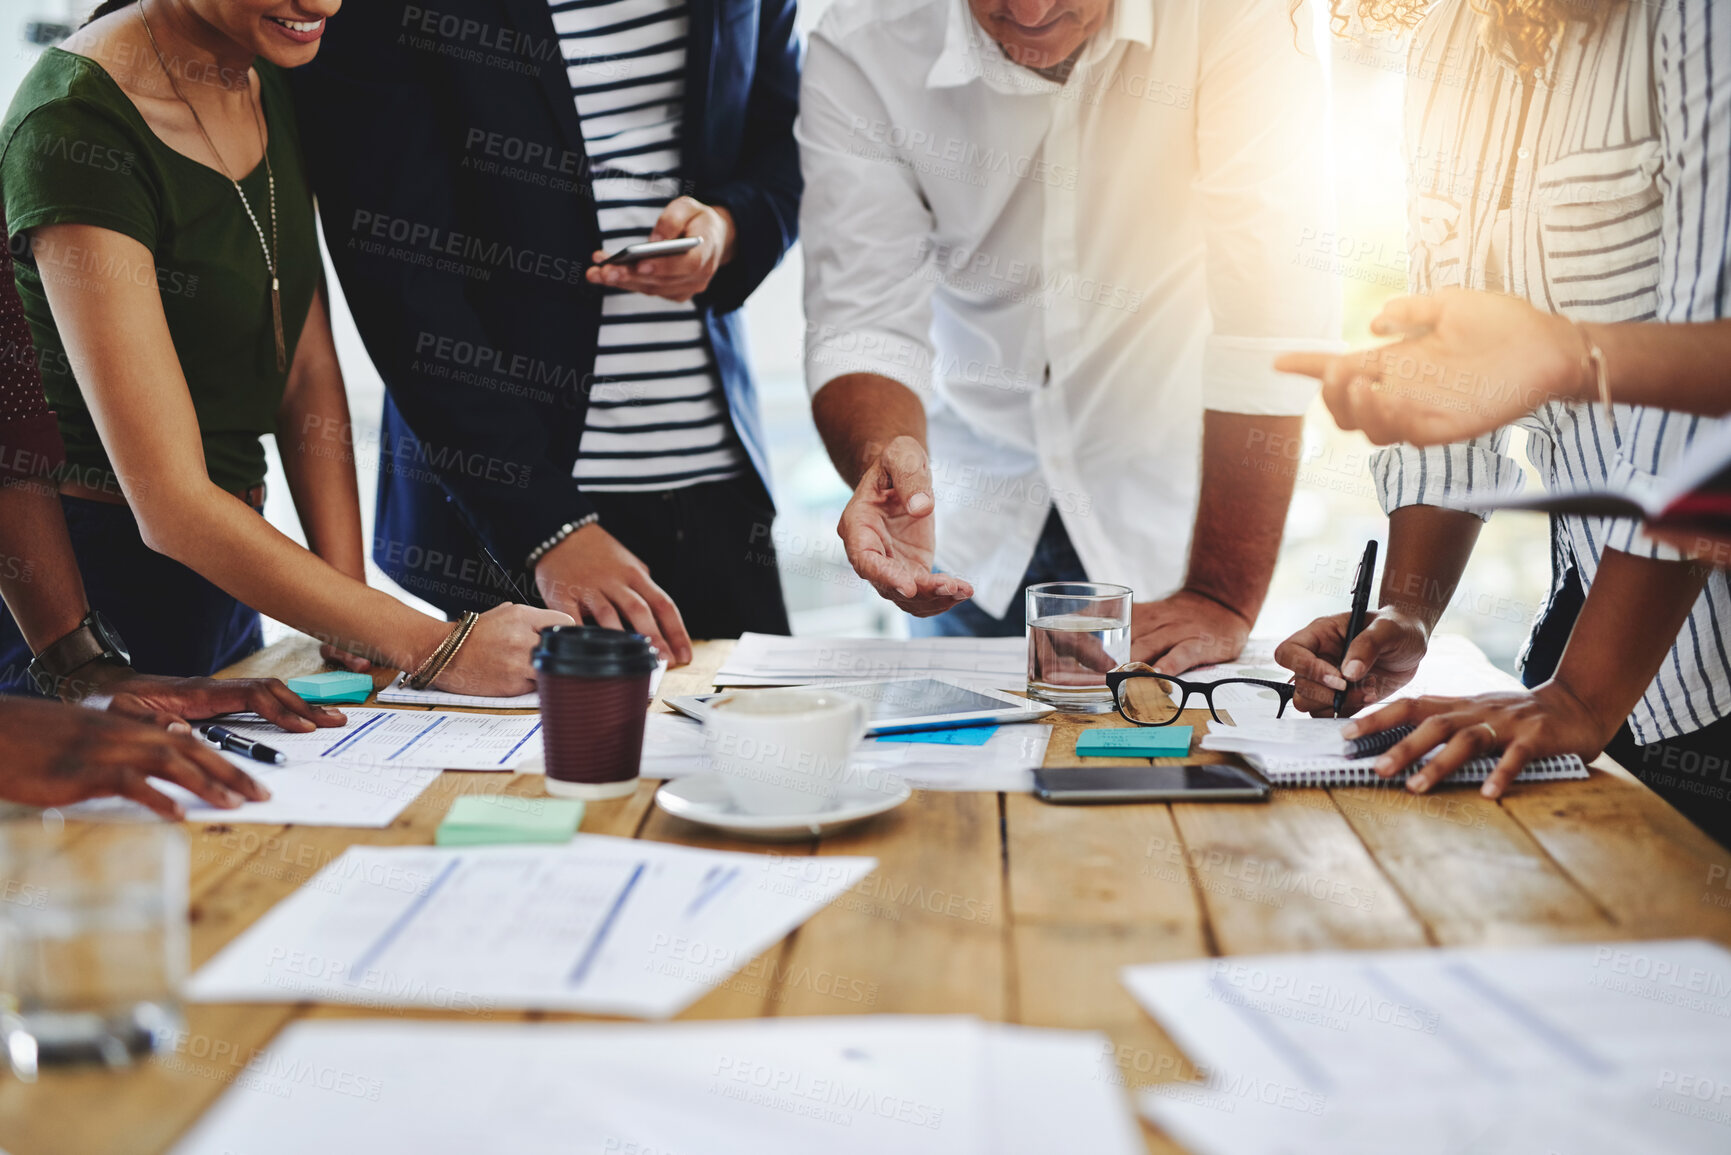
[998, 905]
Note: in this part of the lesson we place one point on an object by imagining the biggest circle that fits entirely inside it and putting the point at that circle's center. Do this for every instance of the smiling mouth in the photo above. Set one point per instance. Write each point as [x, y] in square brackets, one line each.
[299, 27]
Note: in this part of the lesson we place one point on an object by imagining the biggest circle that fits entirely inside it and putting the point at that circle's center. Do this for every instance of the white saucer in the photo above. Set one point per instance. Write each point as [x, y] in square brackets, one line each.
[703, 798]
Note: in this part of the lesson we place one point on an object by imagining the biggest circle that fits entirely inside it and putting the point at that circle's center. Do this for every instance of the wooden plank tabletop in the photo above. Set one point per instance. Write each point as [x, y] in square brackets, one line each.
[996, 905]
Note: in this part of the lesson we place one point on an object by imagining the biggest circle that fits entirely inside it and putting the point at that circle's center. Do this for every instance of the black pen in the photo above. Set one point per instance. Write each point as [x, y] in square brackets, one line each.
[1360, 603]
[245, 747]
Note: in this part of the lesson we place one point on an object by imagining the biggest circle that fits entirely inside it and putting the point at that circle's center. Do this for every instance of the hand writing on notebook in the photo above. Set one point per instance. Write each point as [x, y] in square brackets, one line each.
[1382, 659]
[1525, 725]
[1467, 363]
[889, 535]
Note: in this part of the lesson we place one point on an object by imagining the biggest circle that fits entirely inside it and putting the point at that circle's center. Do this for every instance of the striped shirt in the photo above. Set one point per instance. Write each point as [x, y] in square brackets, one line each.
[657, 415]
[1607, 201]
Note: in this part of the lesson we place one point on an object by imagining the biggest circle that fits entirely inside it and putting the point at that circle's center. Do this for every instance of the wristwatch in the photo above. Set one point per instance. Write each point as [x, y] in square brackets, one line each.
[94, 640]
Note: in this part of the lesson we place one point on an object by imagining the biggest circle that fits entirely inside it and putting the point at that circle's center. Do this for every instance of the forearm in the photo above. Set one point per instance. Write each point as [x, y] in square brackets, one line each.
[859, 414]
[39, 575]
[1428, 550]
[318, 458]
[1665, 366]
[222, 540]
[1630, 621]
[1247, 485]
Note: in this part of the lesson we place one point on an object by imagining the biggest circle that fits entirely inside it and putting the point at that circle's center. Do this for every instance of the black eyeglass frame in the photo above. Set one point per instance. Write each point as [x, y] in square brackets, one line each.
[1116, 678]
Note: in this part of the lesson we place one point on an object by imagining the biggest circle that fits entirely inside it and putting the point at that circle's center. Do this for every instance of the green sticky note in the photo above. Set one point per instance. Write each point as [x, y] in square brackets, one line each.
[1141, 742]
[336, 686]
[486, 819]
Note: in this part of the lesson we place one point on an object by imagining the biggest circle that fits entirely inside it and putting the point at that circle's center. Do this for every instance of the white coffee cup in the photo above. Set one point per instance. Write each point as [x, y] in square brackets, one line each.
[783, 751]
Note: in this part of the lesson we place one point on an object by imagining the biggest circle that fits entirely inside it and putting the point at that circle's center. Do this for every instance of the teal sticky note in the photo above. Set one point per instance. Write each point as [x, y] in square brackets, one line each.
[335, 686]
[959, 736]
[1141, 742]
[485, 819]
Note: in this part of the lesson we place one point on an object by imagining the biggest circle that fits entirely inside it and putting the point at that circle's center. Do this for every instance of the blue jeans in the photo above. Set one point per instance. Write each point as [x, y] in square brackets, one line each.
[173, 620]
[1054, 560]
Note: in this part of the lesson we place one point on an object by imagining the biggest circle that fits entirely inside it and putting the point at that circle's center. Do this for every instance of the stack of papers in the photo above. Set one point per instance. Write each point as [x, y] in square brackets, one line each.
[859, 1085]
[1006, 760]
[602, 925]
[399, 694]
[406, 738]
[1594, 1050]
[768, 660]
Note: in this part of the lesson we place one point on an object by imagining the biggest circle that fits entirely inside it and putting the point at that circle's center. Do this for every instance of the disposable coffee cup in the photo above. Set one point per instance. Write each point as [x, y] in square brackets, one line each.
[784, 751]
[594, 686]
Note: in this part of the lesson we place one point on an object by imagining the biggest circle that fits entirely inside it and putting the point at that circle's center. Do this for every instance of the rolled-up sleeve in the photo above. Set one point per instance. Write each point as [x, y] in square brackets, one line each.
[1695, 255]
[1262, 153]
[1445, 474]
[862, 223]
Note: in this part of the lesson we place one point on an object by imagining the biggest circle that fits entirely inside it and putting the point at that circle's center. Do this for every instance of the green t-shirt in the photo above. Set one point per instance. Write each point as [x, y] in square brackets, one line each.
[74, 150]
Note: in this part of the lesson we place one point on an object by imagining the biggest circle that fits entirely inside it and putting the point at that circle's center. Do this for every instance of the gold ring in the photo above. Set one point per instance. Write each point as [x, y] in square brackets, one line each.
[1491, 730]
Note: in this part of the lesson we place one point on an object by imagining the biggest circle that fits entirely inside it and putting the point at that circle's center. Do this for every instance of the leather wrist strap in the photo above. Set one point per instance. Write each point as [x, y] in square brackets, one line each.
[65, 656]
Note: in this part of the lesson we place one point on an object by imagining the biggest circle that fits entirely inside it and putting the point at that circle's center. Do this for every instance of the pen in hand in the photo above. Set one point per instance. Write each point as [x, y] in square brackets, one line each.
[245, 747]
[1355, 620]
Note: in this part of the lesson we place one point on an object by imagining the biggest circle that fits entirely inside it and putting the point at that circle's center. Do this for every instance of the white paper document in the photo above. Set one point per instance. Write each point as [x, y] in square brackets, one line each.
[851, 1085]
[399, 694]
[768, 660]
[603, 925]
[1597, 1049]
[673, 748]
[303, 793]
[443, 741]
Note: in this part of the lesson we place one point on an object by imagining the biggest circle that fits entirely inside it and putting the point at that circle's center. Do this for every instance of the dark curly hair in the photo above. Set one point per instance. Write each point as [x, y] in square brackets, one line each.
[1519, 31]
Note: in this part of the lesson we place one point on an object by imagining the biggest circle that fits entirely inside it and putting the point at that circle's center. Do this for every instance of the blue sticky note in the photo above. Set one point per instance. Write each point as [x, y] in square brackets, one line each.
[960, 736]
[1141, 742]
[334, 686]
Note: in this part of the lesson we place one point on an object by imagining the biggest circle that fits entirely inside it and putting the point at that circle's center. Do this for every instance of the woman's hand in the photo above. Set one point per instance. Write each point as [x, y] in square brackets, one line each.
[1467, 363]
[57, 755]
[494, 661]
[1381, 660]
[171, 703]
[684, 275]
[1524, 725]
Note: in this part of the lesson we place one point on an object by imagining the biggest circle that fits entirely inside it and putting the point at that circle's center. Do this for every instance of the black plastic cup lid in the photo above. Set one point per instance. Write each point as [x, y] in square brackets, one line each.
[593, 652]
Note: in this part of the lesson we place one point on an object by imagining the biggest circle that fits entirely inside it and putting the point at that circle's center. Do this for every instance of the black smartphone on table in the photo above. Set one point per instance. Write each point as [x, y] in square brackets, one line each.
[1140, 782]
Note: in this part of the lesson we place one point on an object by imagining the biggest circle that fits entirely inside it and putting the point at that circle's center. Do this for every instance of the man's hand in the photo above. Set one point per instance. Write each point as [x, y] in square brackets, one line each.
[683, 276]
[1525, 725]
[593, 578]
[172, 703]
[58, 754]
[1381, 660]
[1468, 363]
[1184, 631]
[888, 533]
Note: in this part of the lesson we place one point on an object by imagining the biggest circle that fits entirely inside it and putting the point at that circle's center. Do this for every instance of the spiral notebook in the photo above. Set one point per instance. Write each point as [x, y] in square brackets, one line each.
[1326, 771]
[1311, 752]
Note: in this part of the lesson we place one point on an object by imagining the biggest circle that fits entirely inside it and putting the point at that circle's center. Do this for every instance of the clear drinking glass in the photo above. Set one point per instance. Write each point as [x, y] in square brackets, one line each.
[1077, 632]
[93, 940]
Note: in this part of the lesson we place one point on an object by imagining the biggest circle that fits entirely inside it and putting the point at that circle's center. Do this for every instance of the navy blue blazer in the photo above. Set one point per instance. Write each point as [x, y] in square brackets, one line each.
[447, 156]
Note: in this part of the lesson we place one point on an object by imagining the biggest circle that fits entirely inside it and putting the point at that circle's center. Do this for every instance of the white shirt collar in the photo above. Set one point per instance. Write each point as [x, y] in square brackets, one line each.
[970, 53]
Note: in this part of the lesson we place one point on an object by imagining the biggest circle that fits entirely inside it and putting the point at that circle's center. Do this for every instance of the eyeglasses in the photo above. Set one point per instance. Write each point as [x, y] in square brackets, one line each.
[1150, 699]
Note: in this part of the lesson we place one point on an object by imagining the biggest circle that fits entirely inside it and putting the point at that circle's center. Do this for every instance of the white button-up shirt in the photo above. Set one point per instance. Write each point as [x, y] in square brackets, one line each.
[1068, 274]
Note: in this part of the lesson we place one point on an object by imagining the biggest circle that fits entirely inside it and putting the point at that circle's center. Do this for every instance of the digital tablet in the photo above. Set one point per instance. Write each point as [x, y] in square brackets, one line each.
[903, 705]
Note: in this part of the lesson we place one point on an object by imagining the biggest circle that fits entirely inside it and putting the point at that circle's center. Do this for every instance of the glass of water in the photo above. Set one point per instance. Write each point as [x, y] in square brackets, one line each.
[1077, 633]
[93, 940]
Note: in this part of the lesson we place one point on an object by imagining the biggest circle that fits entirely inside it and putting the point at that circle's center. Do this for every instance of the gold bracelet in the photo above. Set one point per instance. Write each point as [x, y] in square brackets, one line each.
[468, 627]
[441, 656]
[1593, 360]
